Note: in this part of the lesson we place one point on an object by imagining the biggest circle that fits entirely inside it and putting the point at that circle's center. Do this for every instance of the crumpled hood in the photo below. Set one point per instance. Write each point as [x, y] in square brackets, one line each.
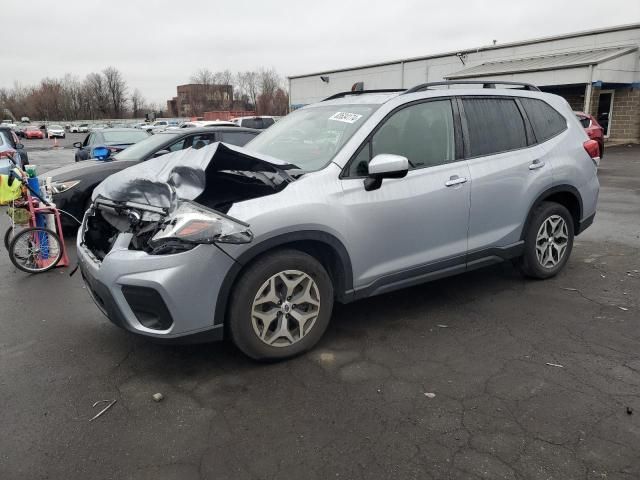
[189, 174]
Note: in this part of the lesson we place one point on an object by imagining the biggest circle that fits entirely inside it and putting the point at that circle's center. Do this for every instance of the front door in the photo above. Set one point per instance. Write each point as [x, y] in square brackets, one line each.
[605, 109]
[413, 225]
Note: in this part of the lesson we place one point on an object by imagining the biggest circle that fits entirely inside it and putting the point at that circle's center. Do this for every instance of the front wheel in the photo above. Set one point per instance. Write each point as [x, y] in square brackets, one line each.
[548, 241]
[280, 306]
[35, 250]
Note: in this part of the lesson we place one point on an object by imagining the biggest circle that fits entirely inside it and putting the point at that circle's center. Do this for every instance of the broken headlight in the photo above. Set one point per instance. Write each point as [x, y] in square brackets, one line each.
[60, 187]
[195, 224]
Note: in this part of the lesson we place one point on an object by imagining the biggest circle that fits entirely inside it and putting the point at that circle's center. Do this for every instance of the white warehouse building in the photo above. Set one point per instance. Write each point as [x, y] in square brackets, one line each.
[597, 71]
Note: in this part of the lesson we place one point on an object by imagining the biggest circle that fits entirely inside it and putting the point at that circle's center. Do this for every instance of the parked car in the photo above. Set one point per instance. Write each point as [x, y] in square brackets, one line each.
[83, 128]
[31, 132]
[203, 123]
[56, 131]
[593, 128]
[115, 139]
[97, 126]
[10, 146]
[355, 196]
[74, 184]
[258, 122]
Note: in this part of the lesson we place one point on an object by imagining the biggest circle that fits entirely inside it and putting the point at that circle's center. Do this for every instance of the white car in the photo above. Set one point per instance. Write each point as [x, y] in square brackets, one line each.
[257, 122]
[82, 128]
[203, 123]
[56, 131]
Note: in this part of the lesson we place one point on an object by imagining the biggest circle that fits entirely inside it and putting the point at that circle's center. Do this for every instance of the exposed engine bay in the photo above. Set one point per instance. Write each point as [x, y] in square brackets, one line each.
[175, 202]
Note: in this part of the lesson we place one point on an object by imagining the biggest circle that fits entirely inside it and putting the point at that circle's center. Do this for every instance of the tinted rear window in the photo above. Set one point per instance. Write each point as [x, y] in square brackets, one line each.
[237, 138]
[545, 120]
[132, 136]
[584, 121]
[495, 125]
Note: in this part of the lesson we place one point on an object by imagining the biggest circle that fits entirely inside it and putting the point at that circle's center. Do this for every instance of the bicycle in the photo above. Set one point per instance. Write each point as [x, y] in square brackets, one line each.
[36, 248]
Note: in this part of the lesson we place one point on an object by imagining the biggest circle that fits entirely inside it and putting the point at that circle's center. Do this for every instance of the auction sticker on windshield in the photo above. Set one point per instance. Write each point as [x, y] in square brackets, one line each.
[345, 117]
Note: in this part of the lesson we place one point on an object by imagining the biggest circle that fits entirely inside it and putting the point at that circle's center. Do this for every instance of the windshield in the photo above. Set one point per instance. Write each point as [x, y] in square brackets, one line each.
[132, 136]
[309, 138]
[146, 147]
[55, 127]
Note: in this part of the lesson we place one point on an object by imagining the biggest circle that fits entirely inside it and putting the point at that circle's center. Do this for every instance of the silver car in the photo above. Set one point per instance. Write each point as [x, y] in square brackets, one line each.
[358, 195]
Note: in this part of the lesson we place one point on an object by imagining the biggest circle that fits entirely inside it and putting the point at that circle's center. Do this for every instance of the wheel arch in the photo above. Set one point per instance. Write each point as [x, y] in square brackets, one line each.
[323, 246]
[565, 195]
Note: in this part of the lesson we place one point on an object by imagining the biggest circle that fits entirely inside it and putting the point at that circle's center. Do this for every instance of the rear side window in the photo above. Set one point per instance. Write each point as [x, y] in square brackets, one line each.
[494, 125]
[237, 138]
[584, 121]
[545, 120]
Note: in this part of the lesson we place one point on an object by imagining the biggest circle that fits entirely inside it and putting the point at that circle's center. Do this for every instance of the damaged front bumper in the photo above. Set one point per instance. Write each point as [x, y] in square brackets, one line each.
[160, 296]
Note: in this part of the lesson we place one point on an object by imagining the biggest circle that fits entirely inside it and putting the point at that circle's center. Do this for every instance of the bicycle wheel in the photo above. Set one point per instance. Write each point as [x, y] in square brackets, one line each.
[8, 236]
[35, 250]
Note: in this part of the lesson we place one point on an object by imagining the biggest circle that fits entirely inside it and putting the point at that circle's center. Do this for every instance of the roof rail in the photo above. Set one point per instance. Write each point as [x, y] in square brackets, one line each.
[360, 92]
[484, 83]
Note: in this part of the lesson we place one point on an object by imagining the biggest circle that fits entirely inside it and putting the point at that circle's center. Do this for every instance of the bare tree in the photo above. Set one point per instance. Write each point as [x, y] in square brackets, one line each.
[252, 84]
[204, 76]
[137, 103]
[117, 90]
[96, 95]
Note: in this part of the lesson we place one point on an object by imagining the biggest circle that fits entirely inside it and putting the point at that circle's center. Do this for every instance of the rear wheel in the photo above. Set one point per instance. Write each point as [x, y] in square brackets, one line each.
[548, 241]
[35, 250]
[280, 306]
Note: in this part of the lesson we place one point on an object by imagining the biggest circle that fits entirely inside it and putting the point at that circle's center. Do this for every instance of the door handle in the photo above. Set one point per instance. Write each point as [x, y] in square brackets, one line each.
[536, 165]
[455, 180]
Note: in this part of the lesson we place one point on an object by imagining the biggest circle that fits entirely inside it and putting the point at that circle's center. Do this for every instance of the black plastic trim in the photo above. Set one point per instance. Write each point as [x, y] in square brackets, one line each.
[547, 193]
[440, 269]
[344, 289]
[584, 224]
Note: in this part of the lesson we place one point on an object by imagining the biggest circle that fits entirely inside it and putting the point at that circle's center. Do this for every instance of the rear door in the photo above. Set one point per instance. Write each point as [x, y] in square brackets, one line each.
[413, 226]
[507, 170]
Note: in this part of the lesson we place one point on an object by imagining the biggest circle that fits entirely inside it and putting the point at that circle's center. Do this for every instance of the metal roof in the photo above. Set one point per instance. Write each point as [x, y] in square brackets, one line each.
[544, 62]
[617, 28]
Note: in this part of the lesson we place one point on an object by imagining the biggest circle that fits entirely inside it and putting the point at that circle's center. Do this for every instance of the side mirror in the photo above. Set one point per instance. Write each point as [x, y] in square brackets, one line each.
[385, 165]
[159, 153]
[77, 144]
[19, 146]
[100, 153]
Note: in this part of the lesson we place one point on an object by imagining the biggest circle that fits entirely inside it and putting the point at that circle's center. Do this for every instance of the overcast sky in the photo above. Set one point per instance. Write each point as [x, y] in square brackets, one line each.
[158, 44]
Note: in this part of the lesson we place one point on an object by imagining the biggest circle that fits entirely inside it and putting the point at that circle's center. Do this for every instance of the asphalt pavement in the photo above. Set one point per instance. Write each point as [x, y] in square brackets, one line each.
[481, 376]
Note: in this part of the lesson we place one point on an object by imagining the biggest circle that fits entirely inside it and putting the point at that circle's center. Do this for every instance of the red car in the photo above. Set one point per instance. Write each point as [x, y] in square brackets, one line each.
[593, 129]
[33, 132]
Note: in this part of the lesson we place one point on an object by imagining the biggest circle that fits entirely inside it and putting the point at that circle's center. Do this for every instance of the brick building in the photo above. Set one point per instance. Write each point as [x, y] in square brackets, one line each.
[597, 71]
[194, 99]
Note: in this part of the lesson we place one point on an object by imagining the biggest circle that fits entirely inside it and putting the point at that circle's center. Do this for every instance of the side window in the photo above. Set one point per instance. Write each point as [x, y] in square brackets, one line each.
[423, 133]
[89, 139]
[237, 138]
[545, 120]
[199, 141]
[267, 122]
[174, 147]
[494, 125]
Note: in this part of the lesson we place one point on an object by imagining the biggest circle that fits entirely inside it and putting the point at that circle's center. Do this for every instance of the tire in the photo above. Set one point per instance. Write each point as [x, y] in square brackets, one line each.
[256, 281]
[28, 237]
[545, 257]
[8, 236]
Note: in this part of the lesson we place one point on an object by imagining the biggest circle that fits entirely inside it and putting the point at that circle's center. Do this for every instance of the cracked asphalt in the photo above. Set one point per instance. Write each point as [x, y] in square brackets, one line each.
[481, 376]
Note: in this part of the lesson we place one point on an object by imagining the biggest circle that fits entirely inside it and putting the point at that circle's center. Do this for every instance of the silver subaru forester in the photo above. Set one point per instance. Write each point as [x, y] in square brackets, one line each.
[358, 195]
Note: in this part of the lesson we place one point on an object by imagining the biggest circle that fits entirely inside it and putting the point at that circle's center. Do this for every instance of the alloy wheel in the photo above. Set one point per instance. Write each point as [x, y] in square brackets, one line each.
[285, 308]
[552, 241]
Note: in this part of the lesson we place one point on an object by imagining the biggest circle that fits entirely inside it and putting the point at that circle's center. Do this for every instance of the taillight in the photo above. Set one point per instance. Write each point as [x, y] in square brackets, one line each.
[593, 149]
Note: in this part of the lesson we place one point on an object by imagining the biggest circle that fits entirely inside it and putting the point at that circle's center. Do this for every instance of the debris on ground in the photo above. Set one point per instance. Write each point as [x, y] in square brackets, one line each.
[110, 403]
[157, 397]
[429, 395]
[624, 309]
[629, 411]
[555, 365]
[440, 325]
[569, 289]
